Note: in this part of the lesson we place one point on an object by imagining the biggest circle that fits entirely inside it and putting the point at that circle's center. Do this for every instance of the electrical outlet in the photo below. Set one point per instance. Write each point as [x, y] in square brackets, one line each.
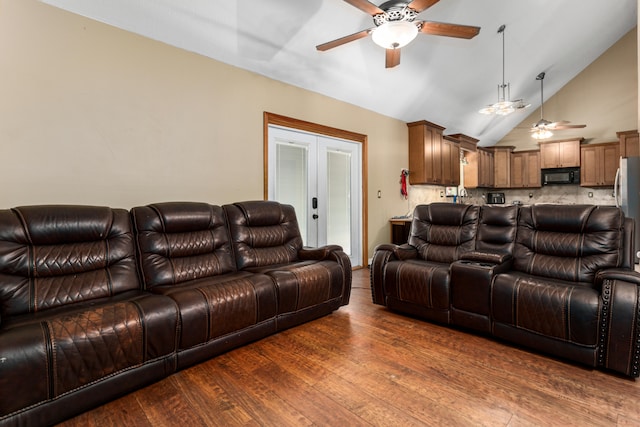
[590, 194]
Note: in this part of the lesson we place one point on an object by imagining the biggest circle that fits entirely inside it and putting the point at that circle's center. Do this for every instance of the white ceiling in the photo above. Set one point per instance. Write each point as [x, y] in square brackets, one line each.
[440, 79]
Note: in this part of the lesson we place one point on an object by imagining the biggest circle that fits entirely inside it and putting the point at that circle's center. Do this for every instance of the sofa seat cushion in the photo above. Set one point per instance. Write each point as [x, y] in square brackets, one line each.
[218, 305]
[565, 311]
[304, 284]
[66, 350]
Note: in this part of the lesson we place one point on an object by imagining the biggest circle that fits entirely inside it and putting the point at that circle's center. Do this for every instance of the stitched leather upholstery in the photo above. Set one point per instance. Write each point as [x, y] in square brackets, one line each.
[556, 278]
[185, 253]
[440, 234]
[73, 312]
[266, 240]
[571, 243]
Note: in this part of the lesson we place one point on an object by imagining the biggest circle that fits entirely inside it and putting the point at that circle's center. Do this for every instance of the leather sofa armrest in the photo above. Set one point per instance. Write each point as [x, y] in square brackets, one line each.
[400, 252]
[331, 253]
[619, 340]
[382, 255]
[320, 253]
[622, 274]
[486, 257]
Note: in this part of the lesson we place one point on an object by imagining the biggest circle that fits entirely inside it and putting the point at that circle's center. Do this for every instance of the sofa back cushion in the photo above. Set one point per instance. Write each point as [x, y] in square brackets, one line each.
[497, 229]
[55, 255]
[569, 242]
[181, 241]
[443, 231]
[263, 233]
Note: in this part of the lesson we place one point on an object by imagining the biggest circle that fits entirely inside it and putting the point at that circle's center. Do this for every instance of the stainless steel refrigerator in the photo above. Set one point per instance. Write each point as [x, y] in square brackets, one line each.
[627, 193]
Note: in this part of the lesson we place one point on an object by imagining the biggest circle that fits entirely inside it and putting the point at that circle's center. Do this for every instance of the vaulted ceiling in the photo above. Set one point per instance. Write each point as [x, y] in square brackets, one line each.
[441, 79]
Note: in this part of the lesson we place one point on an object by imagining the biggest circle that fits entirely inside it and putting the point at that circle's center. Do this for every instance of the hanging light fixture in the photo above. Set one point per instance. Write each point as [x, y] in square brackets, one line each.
[540, 129]
[504, 106]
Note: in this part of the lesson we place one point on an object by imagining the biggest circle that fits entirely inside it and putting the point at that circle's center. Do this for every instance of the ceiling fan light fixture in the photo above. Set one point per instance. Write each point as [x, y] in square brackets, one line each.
[394, 34]
[541, 133]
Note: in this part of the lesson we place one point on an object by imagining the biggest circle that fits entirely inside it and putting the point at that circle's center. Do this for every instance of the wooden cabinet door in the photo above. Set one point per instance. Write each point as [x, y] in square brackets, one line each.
[525, 169]
[629, 143]
[610, 163]
[471, 170]
[518, 170]
[425, 153]
[532, 169]
[486, 168]
[589, 172]
[599, 163]
[454, 161]
[502, 167]
[549, 156]
[560, 154]
[569, 153]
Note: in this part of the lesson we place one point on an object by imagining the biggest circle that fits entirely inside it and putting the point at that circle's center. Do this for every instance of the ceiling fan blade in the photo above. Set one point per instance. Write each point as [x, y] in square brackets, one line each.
[420, 5]
[449, 30]
[392, 58]
[343, 40]
[561, 127]
[365, 6]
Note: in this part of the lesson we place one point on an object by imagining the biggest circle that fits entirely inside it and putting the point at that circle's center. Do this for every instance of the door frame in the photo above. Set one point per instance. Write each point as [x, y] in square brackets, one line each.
[279, 120]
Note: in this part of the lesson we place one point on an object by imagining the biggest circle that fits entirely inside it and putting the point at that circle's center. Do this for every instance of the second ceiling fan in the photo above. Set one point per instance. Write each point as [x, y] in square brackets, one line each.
[396, 27]
[542, 128]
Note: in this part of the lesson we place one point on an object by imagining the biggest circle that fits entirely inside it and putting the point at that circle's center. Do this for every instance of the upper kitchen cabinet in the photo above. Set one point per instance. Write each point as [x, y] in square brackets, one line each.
[629, 143]
[450, 161]
[425, 153]
[502, 166]
[478, 172]
[560, 153]
[599, 164]
[525, 169]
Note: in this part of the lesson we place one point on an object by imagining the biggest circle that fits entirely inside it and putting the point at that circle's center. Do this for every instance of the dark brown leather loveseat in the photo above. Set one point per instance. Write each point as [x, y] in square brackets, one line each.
[96, 302]
[554, 278]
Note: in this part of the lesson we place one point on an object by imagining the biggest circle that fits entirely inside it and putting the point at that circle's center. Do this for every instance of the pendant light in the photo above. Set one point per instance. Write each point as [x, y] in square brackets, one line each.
[504, 106]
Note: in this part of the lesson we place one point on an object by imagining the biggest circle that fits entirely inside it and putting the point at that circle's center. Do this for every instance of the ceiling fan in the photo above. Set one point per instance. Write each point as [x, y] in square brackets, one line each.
[396, 27]
[542, 128]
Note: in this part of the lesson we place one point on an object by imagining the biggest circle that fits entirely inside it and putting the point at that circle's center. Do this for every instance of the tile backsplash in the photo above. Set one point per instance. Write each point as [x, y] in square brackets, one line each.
[563, 194]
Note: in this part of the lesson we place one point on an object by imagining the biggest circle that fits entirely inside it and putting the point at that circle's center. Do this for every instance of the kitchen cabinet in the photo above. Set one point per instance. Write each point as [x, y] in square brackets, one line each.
[425, 153]
[478, 173]
[400, 229]
[599, 163]
[502, 166]
[629, 143]
[560, 154]
[525, 169]
[450, 161]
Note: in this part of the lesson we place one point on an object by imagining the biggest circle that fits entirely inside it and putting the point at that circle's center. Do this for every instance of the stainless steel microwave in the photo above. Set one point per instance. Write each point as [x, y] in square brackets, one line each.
[560, 176]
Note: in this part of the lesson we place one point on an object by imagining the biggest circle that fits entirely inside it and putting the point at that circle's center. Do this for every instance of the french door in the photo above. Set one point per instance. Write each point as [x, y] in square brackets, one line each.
[321, 177]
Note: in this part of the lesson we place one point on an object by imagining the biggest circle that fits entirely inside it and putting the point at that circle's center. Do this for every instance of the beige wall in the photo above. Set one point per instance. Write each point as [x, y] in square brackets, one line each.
[604, 96]
[95, 115]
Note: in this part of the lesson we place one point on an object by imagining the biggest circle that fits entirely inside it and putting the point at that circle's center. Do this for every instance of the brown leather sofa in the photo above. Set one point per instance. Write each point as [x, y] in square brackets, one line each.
[555, 278]
[96, 302]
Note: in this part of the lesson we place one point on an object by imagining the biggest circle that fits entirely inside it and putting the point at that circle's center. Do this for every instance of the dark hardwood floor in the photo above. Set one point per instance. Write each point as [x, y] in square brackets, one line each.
[364, 365]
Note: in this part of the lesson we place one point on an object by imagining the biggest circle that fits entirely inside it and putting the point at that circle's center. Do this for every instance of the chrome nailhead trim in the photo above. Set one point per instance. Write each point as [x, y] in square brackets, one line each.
[604, 321]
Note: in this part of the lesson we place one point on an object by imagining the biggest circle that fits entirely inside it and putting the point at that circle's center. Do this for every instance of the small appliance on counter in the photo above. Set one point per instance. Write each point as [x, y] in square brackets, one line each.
[495, 198]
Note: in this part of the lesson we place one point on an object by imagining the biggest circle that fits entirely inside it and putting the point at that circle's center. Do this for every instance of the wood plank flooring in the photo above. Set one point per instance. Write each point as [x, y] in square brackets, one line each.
[366, 366]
